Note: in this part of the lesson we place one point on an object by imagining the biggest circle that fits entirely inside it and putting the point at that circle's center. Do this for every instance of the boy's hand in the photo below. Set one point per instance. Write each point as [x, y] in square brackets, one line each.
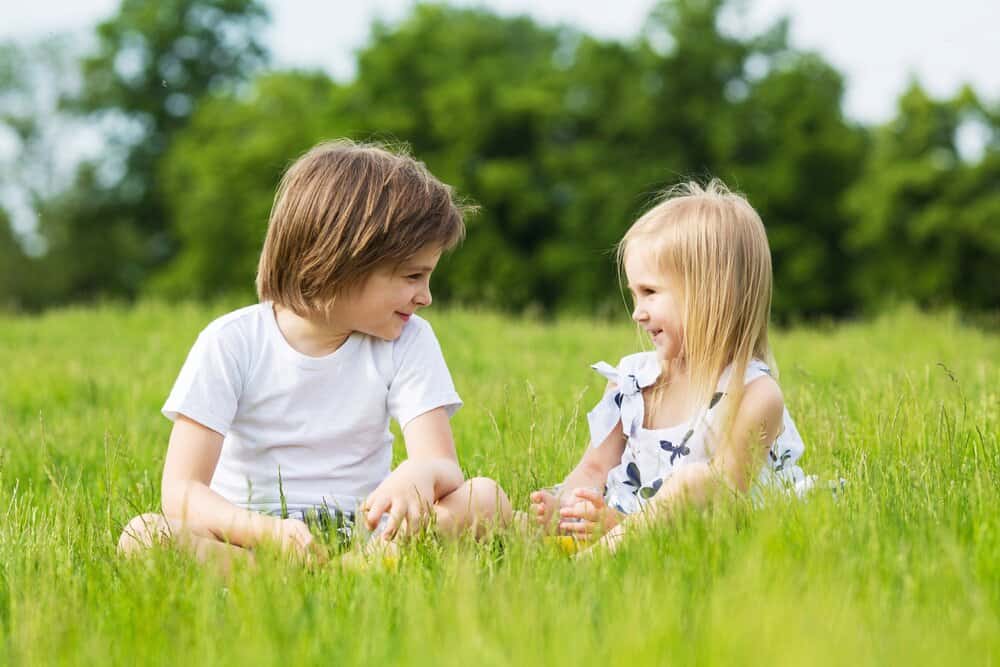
[406, 495]
[586, 516]
[295, 538]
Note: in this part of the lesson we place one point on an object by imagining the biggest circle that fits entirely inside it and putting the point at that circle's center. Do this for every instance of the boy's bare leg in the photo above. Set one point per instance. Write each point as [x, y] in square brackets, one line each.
[145, 530]
[478, 505]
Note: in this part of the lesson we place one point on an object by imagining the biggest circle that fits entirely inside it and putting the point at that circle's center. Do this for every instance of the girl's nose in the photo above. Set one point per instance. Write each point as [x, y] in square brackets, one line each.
[638, 314]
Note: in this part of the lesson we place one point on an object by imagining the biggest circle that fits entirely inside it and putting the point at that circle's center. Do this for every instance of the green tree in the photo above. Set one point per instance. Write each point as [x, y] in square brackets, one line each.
[152, 65]
[926, 215]
[32, 77]
[791, 150]
[13, 265]
[563, 139]
[220, 176]
[477, 97]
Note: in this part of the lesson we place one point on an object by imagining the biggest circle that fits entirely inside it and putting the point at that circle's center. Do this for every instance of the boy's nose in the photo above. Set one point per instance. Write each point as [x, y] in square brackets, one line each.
[423, 298]
[639, 314]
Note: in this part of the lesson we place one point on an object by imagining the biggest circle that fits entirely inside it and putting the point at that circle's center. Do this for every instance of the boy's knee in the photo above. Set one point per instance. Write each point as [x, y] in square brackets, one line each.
[141, 533]
[489, 499]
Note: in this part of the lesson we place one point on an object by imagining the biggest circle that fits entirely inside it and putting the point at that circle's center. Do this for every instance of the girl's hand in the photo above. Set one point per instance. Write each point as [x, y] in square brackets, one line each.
[543, 509]
[586, 516]
[607, 544]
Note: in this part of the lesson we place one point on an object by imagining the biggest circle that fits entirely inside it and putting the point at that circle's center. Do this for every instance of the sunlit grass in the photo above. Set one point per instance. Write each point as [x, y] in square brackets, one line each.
[903, 567]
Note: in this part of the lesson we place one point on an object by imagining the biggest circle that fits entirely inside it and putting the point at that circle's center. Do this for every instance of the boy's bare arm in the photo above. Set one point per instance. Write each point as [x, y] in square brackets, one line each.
[190, 463]
[431, 447]
[430, 472]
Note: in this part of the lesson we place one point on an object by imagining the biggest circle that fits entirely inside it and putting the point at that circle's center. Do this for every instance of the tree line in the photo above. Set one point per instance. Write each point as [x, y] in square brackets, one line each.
[560, 137]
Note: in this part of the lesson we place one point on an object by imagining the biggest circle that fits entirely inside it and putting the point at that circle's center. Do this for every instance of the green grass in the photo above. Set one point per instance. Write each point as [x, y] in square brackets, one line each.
[904, 568]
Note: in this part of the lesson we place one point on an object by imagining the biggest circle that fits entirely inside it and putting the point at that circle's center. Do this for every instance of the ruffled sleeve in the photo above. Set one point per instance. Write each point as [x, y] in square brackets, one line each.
[624, 401]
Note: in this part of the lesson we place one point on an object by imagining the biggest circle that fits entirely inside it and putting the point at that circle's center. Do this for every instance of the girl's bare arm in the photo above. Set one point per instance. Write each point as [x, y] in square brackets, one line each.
[597, 462]
[733, 468]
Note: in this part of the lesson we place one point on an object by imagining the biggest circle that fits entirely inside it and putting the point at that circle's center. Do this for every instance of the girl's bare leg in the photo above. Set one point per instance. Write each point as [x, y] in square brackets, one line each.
[478, 505]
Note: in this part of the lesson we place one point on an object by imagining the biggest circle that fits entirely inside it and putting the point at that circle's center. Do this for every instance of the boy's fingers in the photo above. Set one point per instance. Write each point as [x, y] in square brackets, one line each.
[396, 516]
[376, 510]
[413, 519]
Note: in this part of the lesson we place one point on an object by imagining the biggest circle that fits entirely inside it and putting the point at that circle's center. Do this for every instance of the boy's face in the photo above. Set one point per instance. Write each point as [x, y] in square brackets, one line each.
[385, 301]
[657, 303]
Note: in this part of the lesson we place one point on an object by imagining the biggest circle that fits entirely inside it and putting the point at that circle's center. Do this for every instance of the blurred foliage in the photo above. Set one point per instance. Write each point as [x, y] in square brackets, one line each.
[12, 262]
[928, 217]
[108, 231]
[560, 137]
[220, 176]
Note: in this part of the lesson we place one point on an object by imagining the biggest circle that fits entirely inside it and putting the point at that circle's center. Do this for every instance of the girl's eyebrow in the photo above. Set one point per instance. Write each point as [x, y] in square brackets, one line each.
[418, 269]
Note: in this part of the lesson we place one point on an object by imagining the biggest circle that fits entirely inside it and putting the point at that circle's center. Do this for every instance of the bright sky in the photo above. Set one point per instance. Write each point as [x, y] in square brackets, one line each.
[877, 44]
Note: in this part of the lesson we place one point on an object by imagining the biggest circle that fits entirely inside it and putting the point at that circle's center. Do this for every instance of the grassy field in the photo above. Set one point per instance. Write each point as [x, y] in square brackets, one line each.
[902, 568]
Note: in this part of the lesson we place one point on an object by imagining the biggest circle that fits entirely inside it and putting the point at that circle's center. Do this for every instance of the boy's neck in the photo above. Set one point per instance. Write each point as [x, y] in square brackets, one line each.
[307, 336]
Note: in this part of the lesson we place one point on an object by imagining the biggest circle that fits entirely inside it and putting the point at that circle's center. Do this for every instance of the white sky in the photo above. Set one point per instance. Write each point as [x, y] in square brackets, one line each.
[878, 44]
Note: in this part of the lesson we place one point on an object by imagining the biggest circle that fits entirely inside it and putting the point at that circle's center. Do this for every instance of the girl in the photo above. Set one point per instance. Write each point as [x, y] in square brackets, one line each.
[702, 413]
[281, 411]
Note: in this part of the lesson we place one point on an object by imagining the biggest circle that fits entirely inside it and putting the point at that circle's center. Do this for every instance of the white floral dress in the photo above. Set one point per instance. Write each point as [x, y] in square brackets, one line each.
[653, 455]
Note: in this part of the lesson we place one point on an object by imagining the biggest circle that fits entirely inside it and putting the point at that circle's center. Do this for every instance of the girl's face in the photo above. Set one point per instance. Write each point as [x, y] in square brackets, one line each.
[657, 303]
[383, 304]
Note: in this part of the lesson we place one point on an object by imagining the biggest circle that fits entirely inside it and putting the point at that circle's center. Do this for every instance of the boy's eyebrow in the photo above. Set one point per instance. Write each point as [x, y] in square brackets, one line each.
[423, 268]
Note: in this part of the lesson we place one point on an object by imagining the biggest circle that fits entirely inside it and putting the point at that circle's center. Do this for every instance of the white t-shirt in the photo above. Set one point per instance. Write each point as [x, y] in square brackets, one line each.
[322, 421]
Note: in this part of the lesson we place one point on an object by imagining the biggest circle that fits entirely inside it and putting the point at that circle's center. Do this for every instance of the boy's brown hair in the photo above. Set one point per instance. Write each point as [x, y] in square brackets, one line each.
[343, 210]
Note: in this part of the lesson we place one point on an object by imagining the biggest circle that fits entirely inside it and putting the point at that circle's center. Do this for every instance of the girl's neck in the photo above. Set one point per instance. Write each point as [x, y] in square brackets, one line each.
[311, 337]
[667, 402]
[672, 370]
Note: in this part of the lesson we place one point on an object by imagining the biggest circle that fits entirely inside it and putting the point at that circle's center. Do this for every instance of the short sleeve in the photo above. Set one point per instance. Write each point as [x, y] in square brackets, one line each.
[210, 383]
[756, 369]
[421, 381]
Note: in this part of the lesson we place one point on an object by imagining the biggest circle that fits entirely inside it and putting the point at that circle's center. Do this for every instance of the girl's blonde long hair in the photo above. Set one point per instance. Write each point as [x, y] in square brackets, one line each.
[713, 244]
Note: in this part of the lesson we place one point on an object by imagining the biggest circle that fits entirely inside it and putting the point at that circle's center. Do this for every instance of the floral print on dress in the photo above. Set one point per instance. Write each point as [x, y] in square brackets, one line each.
[651, 456]
[679, 450]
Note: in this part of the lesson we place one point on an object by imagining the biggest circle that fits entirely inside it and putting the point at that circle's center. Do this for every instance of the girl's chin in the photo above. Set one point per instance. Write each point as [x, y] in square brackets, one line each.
[665, 353]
